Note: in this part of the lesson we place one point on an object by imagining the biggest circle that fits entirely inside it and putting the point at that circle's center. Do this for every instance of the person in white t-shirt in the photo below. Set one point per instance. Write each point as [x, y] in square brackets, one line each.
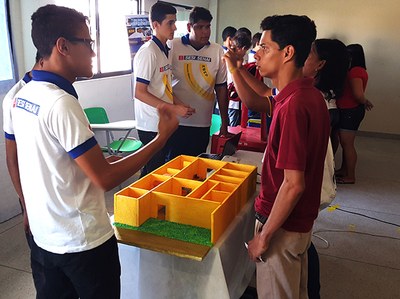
[152, 70]
[62, 171]
[200, 76]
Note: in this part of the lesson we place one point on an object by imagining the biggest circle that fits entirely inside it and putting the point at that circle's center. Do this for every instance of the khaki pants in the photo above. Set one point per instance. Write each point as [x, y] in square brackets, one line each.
[284, 272]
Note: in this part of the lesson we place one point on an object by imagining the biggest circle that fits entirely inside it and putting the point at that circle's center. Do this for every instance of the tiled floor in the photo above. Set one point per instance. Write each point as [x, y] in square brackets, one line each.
[361, 259]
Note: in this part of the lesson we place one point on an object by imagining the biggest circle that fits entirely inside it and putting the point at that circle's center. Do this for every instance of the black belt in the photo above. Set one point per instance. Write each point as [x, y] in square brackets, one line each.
[261, 218]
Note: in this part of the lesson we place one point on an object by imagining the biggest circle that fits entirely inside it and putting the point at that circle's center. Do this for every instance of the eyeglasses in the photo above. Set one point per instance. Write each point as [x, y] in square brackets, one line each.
[88, 42]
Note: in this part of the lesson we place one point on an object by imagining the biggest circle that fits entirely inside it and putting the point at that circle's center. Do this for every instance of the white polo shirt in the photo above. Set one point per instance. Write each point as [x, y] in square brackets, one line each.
[197, 72]
[66, 211]
[152, 66]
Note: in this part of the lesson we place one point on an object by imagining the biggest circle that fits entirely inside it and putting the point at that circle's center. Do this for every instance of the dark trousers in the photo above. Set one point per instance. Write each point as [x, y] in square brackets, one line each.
[234, 117]
[313, 284]
[158, 158]
[191, 141]
[88, 274]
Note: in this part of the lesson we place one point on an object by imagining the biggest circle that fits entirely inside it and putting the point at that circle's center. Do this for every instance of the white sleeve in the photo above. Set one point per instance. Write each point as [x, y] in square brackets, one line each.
[67, 122]
[7, 105]
[221, 74]
[144, 64]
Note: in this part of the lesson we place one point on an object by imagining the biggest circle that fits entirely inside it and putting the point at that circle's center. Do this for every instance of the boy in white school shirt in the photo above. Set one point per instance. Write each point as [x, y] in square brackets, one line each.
[200, 74]
[153, 75]
[62, 171]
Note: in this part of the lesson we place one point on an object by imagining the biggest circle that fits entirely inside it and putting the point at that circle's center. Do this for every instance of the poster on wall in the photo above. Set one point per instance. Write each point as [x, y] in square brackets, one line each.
[139, 31]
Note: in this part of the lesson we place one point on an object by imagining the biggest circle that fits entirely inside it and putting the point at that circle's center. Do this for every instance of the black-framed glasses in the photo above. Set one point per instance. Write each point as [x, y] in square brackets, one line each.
[87, 41]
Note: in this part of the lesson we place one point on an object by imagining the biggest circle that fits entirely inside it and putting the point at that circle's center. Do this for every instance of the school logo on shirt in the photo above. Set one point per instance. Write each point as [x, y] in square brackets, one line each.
[26, 105]
[194, 57]
[165, 68]
[208, 93]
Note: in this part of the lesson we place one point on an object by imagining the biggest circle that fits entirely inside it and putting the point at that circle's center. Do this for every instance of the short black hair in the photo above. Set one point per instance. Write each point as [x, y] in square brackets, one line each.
[357, 57]
[199, 13]
[51, 22]
[160, 10]
[228, 32]
[37, 57]
[256, 39]
[331, 78]
[241, 40]
[297, 31]
[245, 30]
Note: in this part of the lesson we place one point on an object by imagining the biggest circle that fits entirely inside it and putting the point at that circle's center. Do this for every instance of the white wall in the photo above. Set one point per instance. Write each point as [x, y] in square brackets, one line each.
[374, 24]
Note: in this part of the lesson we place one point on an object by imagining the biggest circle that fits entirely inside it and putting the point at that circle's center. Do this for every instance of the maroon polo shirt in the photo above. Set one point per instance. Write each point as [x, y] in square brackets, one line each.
[297, 140]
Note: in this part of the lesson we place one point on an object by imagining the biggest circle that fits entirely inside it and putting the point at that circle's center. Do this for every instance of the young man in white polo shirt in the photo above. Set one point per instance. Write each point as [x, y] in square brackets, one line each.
[200, 74]
[62, 171]
[152, 70]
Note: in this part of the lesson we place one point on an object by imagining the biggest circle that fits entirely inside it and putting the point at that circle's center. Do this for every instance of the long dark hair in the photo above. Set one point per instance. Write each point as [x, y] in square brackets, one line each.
[357, 57]
[330, 79]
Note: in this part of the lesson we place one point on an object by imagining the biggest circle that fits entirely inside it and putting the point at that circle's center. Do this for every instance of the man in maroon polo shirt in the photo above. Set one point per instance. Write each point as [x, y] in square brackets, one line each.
[294, 158]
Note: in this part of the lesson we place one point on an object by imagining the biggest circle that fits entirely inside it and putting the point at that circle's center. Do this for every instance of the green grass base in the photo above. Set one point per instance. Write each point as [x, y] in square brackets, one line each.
[173, 230]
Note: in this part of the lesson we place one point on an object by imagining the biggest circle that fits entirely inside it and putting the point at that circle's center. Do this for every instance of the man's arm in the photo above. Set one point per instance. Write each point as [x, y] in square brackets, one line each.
[109, 175]
[142, 94]
[222, 98]
[13, 170]
[253, 93]
[289, 193]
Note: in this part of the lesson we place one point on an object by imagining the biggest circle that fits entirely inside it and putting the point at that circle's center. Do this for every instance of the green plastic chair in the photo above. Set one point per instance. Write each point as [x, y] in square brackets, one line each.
[98, 115]
[215, 124]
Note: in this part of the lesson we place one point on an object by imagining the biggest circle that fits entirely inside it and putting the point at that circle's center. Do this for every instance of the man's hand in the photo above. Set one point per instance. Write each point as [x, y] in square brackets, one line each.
[223, 132]
[183, 110]
[168, 122]
[26, 223]
[368, 105]
[257, 247]
[233, 58]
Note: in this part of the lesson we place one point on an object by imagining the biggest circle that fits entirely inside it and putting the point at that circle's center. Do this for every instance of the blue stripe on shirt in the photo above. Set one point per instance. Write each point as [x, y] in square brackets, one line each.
[9, 136]
[82, 148]
[141, 80]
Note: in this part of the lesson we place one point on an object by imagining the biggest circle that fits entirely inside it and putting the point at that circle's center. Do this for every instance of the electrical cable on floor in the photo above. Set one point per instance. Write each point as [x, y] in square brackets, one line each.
[369, 217]
[315, 233]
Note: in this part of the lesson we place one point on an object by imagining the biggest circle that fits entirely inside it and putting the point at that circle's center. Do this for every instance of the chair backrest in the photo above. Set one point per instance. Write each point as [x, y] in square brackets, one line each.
[215, 124]
[96, 115]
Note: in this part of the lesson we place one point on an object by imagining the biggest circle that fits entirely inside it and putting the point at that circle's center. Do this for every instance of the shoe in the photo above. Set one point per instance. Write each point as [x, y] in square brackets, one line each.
[338, 176]
[340, 180]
